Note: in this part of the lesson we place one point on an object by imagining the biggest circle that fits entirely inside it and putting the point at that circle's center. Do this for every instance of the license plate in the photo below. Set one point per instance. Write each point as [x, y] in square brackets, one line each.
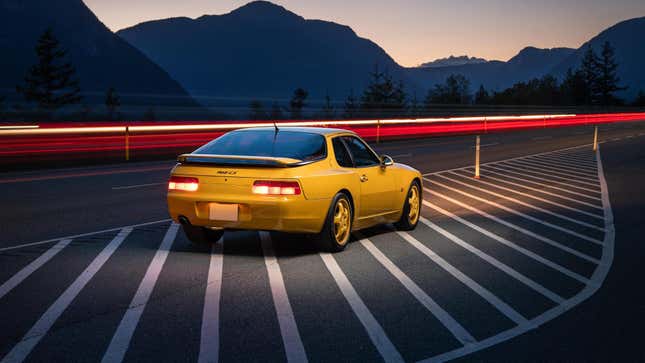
[223, 212]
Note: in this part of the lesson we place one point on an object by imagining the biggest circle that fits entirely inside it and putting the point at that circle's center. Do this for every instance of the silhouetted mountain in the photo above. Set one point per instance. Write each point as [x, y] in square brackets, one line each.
[260, 50]
[529, 63]
[102, 59]
[628, 39]
[453, 61]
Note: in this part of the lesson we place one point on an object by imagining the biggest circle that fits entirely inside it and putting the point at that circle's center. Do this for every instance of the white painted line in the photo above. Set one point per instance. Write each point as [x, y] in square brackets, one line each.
[26, 271]
[629, 136]
[209, 342]
[565, 163]
[596, 281]
[552, 173]
[510, 159]
[80, 235]
[377, 335]
[575, 156]
[487, 145]
[457, 330]
[500, 305]
[524, 172]
[542, 138]
[293, 346]
[518, 213]
[517, 228]
[568, 169]
[564, 159]
[560, 196]
[616, 139]
[21, 350]
[136, 186]
[528, 195]
[510, 244]
[572, 175]
[124, 332]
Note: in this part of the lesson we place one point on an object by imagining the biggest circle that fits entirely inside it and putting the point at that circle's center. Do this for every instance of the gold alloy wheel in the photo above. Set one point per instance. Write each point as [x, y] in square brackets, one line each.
[342, 216]
[413, 202]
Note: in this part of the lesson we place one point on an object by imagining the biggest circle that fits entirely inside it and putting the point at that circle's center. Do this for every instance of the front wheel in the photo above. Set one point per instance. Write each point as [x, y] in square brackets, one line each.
[411, 209]
[338, 225]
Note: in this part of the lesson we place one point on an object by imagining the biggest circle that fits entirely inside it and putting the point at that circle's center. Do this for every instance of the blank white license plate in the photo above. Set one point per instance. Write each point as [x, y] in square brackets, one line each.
[223, 212]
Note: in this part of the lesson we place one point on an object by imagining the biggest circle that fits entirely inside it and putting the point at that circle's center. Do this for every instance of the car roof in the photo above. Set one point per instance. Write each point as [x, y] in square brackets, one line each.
[312, 130]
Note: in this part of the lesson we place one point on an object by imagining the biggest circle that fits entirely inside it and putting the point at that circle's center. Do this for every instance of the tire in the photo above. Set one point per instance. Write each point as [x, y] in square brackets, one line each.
[409, 218]
[202, 235]
[336, 231]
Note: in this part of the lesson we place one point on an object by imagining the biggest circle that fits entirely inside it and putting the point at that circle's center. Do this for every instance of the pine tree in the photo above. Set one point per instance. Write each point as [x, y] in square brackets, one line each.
[574, 89]
[257, 111]
[298, 103]
[455, 90]
[590, 74]
[112, 102]
[383, 96]
[607, 80]
[351, 106]
[482, 97]
[51, 83]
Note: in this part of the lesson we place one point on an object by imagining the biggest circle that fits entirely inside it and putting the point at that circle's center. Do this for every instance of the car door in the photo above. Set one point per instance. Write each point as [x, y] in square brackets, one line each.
[377, 183]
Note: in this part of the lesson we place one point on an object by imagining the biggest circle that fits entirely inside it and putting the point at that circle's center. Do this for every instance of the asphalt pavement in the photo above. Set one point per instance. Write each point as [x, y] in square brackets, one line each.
[538, 260]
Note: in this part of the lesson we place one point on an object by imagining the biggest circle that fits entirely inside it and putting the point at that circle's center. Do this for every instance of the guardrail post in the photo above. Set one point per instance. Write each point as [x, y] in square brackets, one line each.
[595, 138]
[127, 143]
[477, 147]
[378, 131]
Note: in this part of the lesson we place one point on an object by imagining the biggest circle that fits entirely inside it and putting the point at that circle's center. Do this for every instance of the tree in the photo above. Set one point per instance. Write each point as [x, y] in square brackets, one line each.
[414, 109]
[351, 106]
[455, 90]
[607, 80]
[51, 82]
[639, 101]
[383, 96]
[328, 112]
[298, 103]
[482, 97]
[257, 111]
[112, 102]
[589, 72]
[574, 89]
[276, 112]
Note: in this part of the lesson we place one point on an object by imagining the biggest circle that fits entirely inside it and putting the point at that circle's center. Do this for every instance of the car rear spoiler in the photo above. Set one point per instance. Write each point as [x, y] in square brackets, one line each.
[266, 161]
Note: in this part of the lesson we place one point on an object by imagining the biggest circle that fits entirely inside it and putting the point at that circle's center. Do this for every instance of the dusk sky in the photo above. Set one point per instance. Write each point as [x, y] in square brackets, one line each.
[416, 31]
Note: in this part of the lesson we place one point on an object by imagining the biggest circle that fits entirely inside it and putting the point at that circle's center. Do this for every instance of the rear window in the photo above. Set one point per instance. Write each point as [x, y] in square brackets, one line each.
[284, 144]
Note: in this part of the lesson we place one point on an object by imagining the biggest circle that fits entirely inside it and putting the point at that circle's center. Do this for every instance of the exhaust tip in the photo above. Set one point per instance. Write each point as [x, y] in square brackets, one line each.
[184, 221]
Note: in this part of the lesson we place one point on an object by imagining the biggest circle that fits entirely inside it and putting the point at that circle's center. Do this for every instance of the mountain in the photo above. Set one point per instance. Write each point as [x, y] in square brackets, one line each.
[628, 40]
[101, 58]
[261, 51]
[529, 63]
[453, 61]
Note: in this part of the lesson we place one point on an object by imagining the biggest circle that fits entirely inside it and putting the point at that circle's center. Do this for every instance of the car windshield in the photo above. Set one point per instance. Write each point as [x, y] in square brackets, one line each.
[286, 144]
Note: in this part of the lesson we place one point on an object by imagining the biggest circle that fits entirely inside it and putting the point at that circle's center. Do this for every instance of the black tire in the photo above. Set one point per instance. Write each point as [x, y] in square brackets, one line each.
[202, 235]
[407, 222]
[327, 238]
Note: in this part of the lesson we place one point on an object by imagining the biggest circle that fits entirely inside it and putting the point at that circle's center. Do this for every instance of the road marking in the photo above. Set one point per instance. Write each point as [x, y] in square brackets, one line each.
[457, 330]
[565, 163]
[568, 169]
[501, 306]
[21, 350]
[486, 145]
[374, 330]
[288, 328]
[629, 136]
[552, 173]
[137, 186]
[515, 227]
[480, 181]
[25, 272]
[123, 335]
[518, 213]
[209, 342]
[561, 158]
[575, 176]
[510, 244]
[85, 174]
[524, 172]
[488, 172]
[585, 156]
[542, 138]
[596, 281]
[81, 235]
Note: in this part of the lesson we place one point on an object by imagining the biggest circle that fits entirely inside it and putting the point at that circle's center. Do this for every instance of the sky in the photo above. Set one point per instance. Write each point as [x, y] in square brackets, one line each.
[417, 31]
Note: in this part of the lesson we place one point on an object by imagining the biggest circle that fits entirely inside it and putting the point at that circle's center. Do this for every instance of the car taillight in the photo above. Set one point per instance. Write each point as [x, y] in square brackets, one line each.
[271, 187]
[183, 183]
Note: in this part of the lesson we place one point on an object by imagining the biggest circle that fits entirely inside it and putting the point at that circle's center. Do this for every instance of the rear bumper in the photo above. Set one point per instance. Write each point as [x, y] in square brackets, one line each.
[274, 213]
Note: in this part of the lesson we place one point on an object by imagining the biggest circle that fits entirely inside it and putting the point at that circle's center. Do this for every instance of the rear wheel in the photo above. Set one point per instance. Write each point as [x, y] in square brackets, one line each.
[338, 225]
[411, 209]
[202, 235]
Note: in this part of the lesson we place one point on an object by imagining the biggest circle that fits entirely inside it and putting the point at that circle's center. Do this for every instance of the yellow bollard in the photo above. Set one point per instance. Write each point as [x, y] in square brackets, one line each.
[127, 143]
[595, 139]
[477, 157]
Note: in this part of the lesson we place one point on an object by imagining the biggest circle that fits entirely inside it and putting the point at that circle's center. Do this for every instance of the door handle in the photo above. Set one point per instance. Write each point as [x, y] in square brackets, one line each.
[363, 178]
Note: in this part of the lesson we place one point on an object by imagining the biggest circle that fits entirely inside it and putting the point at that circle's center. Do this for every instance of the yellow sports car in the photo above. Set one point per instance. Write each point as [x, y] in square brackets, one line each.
[291, 179]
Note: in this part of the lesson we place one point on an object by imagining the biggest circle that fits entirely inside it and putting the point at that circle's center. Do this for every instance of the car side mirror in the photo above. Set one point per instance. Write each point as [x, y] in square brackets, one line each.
[386, 161]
